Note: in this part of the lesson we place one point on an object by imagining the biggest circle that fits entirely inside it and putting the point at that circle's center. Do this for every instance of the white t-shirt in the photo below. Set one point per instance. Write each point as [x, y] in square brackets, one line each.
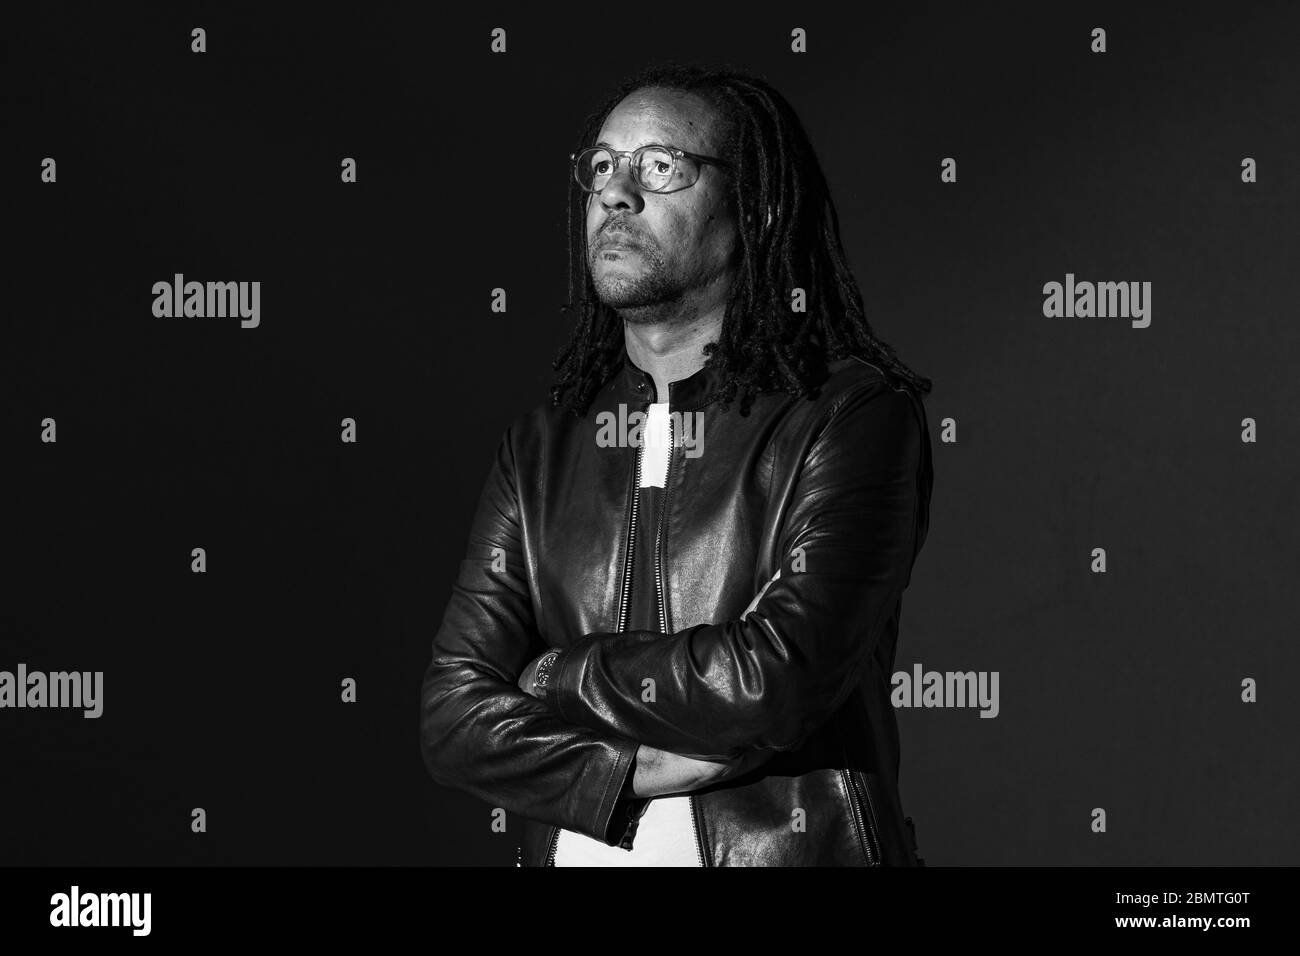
[665, 835]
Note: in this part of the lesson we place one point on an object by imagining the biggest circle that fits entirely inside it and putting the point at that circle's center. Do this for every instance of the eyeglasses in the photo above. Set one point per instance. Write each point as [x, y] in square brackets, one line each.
[655, 168]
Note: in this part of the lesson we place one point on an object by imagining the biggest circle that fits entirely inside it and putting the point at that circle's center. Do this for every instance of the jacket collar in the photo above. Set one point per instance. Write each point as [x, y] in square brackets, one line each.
[633, 384]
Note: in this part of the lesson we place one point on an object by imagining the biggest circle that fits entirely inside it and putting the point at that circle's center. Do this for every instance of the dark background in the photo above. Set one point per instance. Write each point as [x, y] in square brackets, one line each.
[325, 561]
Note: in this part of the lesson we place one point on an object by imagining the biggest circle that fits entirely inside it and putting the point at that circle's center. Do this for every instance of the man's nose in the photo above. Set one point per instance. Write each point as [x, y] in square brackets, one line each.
[622, 192]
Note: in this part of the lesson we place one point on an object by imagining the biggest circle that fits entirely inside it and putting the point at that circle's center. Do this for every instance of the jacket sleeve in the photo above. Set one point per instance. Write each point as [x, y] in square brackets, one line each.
[478, 731]
[857, 518]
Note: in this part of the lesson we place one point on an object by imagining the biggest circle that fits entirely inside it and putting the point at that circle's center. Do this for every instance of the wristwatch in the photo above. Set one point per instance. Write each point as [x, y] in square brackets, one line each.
[543, 673]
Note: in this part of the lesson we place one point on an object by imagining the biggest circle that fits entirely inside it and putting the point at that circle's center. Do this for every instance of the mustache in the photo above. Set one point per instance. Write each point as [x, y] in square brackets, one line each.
[615, 232]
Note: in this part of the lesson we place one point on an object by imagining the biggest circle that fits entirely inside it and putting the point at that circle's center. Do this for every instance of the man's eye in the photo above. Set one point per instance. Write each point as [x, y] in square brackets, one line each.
[663, 168]
[599, 167]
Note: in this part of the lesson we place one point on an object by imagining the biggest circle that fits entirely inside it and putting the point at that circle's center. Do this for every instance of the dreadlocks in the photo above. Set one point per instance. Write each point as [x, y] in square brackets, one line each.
[763, 345]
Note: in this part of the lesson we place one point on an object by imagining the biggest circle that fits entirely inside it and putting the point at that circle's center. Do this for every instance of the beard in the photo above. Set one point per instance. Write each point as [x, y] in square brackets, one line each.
[640, 287]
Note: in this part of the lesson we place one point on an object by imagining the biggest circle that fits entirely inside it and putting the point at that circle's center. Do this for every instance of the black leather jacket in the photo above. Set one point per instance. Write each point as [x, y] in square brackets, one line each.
[833, 491]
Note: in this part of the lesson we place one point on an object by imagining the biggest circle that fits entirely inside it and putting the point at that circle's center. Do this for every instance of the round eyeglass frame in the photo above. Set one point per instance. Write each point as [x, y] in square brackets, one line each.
[634, 164]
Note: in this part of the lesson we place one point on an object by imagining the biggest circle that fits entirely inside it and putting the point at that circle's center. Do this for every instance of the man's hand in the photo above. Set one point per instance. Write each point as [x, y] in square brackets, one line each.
[660, 772]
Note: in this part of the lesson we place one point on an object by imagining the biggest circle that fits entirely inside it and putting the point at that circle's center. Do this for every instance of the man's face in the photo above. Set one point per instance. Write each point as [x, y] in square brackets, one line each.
[656, 256]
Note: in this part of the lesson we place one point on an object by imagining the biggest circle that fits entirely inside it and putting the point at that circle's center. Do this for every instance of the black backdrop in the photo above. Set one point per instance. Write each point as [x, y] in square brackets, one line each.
[328, 560]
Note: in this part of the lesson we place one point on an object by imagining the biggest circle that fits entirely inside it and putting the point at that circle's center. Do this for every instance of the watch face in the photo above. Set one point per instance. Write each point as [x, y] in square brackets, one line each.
[544, 668]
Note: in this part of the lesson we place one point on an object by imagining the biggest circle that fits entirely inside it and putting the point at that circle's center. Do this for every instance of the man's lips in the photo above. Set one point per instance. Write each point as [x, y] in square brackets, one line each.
[618, 241]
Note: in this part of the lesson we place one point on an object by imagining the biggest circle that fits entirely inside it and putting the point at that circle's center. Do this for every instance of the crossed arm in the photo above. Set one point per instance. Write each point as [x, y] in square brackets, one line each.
[659, 772]
[480, 733]
[729, 693]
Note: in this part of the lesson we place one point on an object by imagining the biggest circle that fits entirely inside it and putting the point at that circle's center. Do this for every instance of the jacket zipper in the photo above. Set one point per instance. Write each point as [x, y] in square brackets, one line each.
[550, 852]
[865, 822]
[663, 607]
[629, 552]
[659, 535]
[695, 825]
[629, 543]
[871, 824]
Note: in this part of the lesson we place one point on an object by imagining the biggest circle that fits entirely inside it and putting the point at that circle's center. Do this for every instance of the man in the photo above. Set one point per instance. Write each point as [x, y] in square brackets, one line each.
[672, 636]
